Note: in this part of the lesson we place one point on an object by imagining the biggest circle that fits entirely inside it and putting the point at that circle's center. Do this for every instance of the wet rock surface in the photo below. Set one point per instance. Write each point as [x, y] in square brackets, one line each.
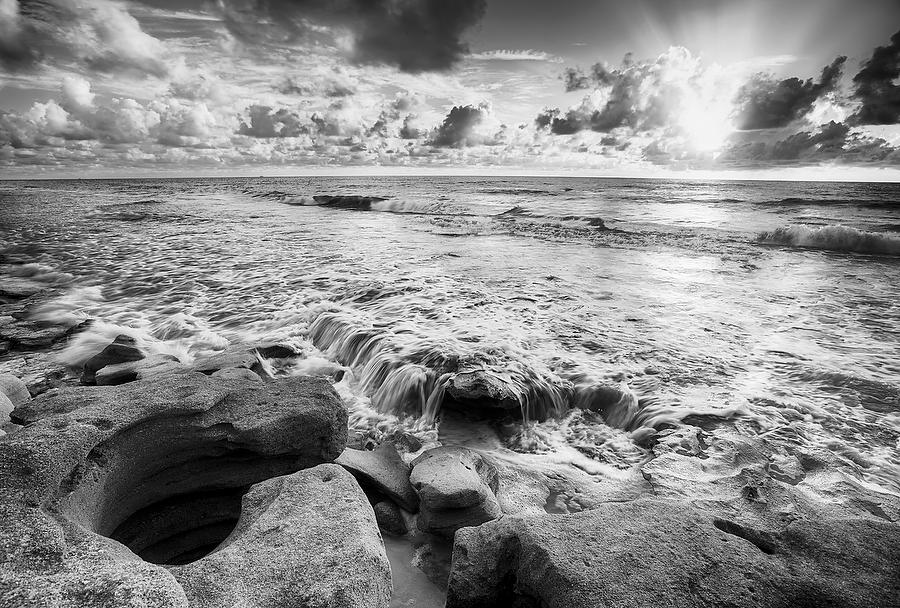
[122, 350]
[457, 487]
[672, 553]
[383, 470]
[162, 465]
[142, 369]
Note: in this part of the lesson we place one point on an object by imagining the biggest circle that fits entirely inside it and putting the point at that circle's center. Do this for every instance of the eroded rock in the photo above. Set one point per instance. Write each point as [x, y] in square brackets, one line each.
[133, 462]
[457, 487]
[383, 469]
[14, 389]
[668, 553]
[292, 547]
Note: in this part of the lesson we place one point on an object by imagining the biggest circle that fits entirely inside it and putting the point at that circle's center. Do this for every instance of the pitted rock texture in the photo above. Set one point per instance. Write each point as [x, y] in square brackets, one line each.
[162, 465]
[674, 554]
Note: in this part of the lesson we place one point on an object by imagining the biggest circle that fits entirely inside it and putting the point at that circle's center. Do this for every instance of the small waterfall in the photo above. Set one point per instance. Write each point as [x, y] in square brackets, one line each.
[407, 375]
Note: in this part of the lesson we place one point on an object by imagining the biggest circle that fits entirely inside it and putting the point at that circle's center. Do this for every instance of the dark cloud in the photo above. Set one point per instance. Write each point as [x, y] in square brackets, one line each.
[765, 103]
[877, 88]
[458, 128]
[575, 80]
[266, 122]
[414, 35]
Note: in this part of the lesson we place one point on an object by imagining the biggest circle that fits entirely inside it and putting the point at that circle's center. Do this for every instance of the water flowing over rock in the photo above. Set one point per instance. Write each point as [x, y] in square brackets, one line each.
[457, 487]
[667, 553]
[162, 464]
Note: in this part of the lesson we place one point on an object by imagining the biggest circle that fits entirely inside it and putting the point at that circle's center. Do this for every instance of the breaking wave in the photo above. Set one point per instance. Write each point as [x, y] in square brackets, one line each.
[833, 238]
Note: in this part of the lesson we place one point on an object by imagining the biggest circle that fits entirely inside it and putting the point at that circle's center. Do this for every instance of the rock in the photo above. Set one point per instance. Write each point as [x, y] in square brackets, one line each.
[292, 547]
[276, 351]
[390, 518]
[122, 349]
[457, 488]
[29, 334]
[14, 389]
[17, 288]
[142, 369]
[384, 470]
[232, 358]
[237, 373]
[484, 388]
[6, 408]
[667, 553]
[160, 464]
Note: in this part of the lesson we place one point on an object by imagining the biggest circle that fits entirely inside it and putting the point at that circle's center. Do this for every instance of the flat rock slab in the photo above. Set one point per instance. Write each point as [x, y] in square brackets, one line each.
[18, 287]
[307, 539]
[28, 334]
[114, 457]
[667, 553]
[384, 469]
[143, 369]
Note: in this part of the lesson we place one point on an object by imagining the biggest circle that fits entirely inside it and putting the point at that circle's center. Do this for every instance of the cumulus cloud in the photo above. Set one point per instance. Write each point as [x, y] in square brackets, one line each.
[876, 86]
[414, 35]
[98, 33]
[639, 95]
[465, 126]
[267, 122]
[765, 103]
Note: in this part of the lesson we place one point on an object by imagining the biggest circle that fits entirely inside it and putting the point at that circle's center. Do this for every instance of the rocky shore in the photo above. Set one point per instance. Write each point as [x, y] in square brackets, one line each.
[139, 480]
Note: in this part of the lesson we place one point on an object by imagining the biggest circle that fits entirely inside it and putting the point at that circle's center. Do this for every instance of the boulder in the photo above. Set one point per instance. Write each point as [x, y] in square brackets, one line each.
[457, 488]
[142, 369]
[383, 470]
[15, 389]
[122, 349]
[390, 518]
[484, 388]
[238, 357]
[276, 350]
[292, 547]
[6, 408]
[152, 471]
[668, 553]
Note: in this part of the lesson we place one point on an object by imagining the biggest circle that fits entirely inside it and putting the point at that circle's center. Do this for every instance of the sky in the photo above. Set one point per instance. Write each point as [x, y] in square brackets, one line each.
[807, 89]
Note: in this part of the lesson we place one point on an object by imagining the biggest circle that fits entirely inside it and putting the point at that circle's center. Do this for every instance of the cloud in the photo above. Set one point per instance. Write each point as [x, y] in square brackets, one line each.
[333, 84]
[464, 126]
[641, 95]
[266, 122]
[764, 103]
[414, 35]
[100, 34]
[515, 55]
[877, 88]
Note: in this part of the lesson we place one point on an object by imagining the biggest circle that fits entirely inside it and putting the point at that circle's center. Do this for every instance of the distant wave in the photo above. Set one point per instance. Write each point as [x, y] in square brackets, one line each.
[519, 191]
[833, 238]
[812, 202]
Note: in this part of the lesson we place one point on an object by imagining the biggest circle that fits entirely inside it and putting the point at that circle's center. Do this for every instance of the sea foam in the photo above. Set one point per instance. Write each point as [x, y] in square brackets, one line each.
[834, 238]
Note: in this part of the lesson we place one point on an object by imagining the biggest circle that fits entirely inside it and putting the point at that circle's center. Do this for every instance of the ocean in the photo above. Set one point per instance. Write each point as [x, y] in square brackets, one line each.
[769, 307]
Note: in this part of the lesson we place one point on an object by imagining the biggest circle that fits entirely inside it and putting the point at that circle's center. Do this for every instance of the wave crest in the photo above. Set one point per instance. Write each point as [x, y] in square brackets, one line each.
[833, 238]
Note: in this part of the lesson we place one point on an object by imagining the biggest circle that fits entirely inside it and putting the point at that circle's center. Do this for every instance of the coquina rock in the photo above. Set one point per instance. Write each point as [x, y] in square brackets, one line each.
[383, 470]
[14, 389]
[293, 547]
[457, 488]
[154, 471]
[670, 553]
[143, 369]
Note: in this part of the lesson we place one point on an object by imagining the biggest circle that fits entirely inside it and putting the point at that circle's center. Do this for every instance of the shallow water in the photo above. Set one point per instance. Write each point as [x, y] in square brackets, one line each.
[775, 303]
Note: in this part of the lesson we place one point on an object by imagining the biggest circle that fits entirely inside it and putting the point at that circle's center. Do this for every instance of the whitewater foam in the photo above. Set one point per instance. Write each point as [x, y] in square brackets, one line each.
[833, 238]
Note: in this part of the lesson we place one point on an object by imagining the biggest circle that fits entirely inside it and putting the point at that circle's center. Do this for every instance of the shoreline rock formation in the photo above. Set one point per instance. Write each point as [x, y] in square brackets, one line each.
[162, 465]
